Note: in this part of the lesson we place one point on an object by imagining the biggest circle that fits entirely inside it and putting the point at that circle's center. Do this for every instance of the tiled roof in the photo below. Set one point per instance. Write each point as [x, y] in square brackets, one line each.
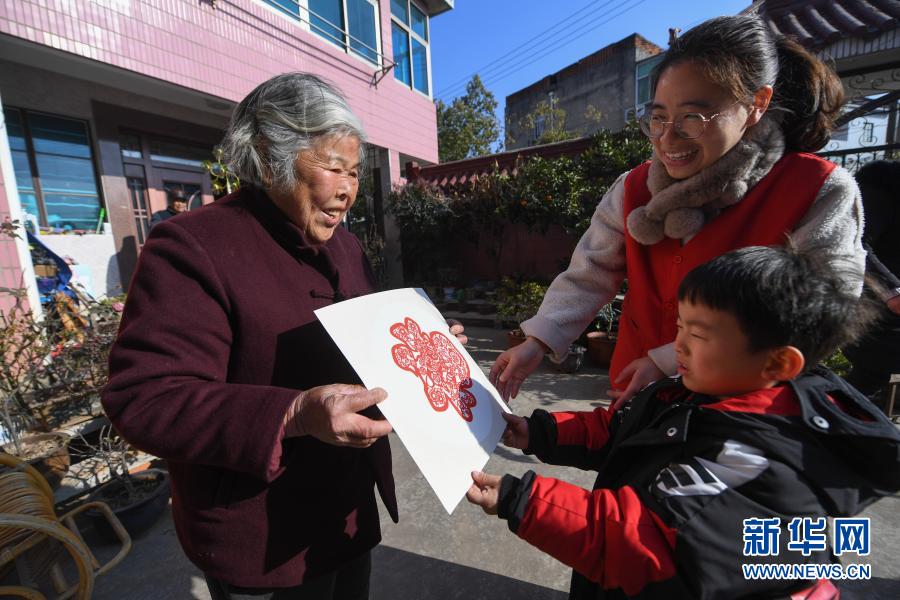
[817, 23]
[462, 171]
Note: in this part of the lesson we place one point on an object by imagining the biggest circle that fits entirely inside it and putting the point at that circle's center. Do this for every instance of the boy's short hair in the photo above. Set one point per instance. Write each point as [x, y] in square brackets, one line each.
[780, 297]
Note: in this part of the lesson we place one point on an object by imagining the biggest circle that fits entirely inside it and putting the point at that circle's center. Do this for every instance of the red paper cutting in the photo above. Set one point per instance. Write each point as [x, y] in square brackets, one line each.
[440, 367]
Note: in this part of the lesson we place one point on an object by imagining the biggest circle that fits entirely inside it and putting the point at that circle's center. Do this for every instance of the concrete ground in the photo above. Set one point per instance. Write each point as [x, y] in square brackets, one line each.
[431, 555]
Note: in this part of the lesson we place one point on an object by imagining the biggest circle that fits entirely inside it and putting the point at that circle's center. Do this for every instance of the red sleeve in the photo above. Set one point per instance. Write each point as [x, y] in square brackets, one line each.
[587, 429]
[608, 536]
[168, 392]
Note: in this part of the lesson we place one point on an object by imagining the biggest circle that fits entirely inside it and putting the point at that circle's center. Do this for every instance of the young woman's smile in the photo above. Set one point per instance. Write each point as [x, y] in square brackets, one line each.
[682, 89]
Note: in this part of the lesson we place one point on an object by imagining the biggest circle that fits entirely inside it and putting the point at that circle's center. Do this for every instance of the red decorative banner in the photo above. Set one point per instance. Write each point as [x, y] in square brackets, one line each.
[440, 367]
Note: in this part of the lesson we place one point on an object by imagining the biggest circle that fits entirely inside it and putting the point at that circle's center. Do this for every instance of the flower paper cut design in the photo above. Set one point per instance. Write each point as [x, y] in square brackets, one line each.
[440, 367]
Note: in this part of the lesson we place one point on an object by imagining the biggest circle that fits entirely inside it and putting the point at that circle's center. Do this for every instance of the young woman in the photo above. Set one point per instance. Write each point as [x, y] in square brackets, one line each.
[735, 111]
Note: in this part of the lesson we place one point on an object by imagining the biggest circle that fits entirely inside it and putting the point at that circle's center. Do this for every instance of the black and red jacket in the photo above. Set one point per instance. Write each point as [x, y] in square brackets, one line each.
[678, 472]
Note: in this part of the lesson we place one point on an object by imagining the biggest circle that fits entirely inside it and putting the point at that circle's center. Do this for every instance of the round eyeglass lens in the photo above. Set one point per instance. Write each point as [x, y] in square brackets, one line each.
[691, 125]
[652, 126]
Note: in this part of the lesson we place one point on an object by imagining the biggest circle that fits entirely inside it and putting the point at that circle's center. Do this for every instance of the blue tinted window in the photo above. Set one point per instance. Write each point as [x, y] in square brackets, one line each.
[399, 10]
[66, 174]
[15, 131]
[361, 23]
[14, 128]
[56, 135]
[327, 19]
[72, 211]
[420, 67]
[289, 6]
[401, 54]
[419, 23]
[64, 168]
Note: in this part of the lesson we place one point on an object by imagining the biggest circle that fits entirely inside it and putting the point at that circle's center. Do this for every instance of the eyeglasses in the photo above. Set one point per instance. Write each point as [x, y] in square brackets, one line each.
[688, 125]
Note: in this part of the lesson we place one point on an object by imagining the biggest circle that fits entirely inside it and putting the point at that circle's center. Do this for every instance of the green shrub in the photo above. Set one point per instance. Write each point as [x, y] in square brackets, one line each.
[519, 301]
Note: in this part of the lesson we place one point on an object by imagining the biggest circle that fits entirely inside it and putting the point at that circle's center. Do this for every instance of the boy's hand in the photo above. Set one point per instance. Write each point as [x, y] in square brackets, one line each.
[485, 491]
[516, 433]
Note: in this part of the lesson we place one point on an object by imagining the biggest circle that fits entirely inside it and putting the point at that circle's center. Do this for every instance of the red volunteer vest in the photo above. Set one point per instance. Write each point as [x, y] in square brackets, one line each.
[769, 211]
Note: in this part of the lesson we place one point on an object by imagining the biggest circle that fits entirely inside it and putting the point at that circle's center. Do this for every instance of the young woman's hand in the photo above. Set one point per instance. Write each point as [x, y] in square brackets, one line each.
[641, 372]
[516, 433]
[513, 366]
[484, 491]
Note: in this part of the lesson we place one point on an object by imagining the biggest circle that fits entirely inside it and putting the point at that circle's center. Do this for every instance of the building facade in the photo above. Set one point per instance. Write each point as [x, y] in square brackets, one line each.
[861, 39]
[597, 92]
[107, 104]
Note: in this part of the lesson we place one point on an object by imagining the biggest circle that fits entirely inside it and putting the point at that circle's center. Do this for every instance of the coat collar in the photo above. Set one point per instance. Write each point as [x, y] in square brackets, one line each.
[323, 257]
[289, 236]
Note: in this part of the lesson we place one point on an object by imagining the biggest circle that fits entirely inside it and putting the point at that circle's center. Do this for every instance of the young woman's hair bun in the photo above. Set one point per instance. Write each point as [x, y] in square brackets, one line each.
[810, 94]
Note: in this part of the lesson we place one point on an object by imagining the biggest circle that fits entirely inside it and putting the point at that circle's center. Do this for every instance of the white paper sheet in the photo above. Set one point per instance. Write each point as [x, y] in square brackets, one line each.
[439, 403]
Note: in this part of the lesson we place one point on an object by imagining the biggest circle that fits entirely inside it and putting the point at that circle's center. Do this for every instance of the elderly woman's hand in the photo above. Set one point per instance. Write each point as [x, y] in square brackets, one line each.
[330, 413]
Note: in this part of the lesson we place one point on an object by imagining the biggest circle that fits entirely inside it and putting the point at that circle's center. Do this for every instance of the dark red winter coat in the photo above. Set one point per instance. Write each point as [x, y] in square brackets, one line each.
[217, 337]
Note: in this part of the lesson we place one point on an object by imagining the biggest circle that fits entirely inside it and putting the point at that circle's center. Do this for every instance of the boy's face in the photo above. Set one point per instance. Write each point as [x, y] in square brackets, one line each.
[713, 353]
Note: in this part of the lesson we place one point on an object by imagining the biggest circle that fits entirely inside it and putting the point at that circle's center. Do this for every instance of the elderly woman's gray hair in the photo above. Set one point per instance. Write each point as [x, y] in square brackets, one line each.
[280, 118]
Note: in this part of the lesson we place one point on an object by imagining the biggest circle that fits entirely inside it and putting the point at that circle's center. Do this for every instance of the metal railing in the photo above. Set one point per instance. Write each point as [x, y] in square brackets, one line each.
[854, 158]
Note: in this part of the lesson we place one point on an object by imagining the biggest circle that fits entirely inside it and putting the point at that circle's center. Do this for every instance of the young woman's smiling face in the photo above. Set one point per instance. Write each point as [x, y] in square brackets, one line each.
[683, 88]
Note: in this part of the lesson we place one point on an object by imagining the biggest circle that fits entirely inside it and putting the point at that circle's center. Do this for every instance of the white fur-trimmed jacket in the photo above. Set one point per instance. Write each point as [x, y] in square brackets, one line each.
[834, 223]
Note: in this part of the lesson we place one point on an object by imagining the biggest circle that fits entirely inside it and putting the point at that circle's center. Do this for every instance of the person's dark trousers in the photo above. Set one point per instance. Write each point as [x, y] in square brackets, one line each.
[349, 582]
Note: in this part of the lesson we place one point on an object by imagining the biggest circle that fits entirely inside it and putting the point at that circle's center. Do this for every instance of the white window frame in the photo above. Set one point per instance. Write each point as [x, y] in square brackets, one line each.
[413, 35]
[304, 20]
[638, 105]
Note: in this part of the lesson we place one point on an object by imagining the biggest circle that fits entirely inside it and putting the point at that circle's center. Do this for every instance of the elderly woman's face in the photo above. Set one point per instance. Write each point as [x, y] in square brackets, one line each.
[327, 182]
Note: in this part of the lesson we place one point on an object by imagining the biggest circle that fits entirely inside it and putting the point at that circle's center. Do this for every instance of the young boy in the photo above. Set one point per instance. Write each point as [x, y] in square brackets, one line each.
[750, 429]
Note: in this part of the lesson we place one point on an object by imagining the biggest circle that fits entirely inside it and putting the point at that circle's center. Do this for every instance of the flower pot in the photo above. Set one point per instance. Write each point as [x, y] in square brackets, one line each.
[46, 452]
[572, 361]
[600, 348]
[514, 338]
[136, 514]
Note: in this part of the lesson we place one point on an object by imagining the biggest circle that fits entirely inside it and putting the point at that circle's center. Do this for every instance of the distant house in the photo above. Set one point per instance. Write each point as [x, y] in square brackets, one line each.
[597, 92]
[107, 105]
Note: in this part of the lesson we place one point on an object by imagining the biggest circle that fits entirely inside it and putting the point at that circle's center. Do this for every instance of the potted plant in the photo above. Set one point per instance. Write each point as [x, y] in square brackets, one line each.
[27, 378]
[518, 302]
[55, 370]
[601, 340]
[136, 498]
[573, 360]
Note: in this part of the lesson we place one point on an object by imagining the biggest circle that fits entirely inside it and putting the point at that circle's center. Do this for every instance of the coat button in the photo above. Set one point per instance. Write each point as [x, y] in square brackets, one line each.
[820, 422]
[671, 431]
[678, 259]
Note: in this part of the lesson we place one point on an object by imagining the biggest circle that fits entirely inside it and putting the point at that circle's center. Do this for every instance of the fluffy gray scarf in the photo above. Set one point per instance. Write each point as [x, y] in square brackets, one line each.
[679, 208]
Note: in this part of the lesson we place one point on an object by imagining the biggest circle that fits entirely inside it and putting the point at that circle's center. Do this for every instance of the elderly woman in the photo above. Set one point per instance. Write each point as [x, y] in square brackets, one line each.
[222, 369]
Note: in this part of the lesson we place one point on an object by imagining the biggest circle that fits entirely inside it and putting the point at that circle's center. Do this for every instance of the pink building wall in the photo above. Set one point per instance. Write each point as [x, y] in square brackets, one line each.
[225, 51]
[10, 270]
